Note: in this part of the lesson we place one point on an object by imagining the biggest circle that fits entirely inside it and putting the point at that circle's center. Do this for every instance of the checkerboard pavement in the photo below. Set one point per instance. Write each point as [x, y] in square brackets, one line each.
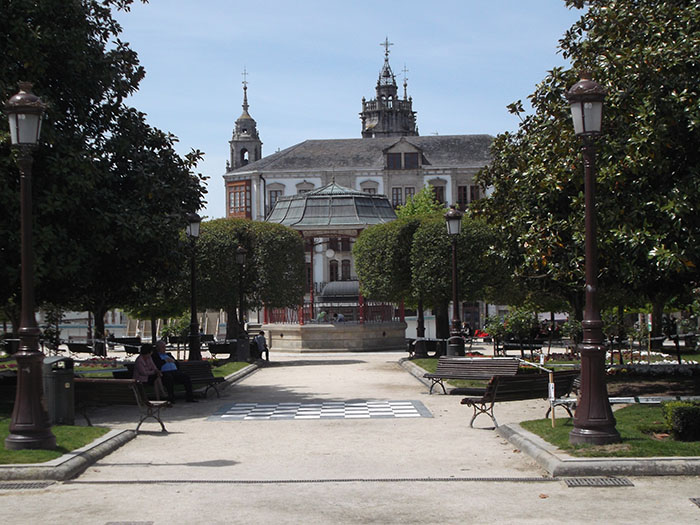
[321, 410]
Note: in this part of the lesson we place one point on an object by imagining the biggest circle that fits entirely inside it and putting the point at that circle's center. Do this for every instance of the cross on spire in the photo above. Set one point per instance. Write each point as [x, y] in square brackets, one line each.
[386, 45]
[405, 80]
[245, 89]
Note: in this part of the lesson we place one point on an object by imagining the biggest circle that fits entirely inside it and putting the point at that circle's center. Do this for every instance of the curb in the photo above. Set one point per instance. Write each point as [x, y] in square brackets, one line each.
[240, 374]
[415, 370]
[559, 464]
[71, 464]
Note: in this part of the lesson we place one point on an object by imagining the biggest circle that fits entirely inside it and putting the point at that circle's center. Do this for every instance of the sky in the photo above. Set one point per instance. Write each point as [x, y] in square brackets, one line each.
[309, 63]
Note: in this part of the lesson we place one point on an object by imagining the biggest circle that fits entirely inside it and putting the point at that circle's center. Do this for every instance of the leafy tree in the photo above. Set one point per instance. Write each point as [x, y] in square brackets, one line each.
[422, 204]
[279, 281]
[382, 256]
[111, 194]
[410, 259]
[267, 277]
[218, 274]
[644, 54]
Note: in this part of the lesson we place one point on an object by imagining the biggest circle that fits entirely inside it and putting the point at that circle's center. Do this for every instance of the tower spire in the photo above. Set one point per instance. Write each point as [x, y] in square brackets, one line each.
[405, 81]
[387, 115]
[245, 89]
[386, 76]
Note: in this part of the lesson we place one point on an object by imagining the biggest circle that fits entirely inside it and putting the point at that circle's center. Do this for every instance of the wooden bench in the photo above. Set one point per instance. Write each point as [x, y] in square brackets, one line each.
[148, 408]
[518, 388]
[510, 345]
[97, 392]
[200, 373]
[80, 348]
[466, 368]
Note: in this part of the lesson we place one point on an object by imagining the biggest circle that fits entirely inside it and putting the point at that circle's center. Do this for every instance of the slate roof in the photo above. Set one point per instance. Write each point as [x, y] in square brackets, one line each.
[331, 207]
[368, 153]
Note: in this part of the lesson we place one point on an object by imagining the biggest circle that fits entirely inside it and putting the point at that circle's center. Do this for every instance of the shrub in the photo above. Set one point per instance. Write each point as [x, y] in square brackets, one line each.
[686, 423]
[683, 418]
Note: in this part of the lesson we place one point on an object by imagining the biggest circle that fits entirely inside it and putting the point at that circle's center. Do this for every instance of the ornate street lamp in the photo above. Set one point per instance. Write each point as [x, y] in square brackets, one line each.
[455, 344]
[594, 422]
[29, 426]
[193, 233]
[241, 255]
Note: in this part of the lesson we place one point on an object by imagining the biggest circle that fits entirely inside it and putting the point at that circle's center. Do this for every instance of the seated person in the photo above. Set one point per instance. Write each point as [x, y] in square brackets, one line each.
[261, 345]
[145, 371]
[171, 375]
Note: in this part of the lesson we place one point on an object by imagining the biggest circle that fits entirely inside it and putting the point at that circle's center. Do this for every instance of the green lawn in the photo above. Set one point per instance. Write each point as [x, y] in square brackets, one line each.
[68, 438]
[228, 368]
[641, 428]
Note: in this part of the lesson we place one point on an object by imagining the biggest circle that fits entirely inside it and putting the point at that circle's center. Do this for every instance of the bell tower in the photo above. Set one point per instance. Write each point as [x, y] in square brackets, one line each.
[388, 115]
[245, 144]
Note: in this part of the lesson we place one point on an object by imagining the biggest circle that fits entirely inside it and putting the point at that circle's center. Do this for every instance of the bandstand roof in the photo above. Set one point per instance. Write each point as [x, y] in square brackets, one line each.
[332, 209]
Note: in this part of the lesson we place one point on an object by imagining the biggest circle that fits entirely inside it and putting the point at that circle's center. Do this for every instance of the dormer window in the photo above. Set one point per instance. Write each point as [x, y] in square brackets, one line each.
[410, 161]
[393, 161]
[403, 161]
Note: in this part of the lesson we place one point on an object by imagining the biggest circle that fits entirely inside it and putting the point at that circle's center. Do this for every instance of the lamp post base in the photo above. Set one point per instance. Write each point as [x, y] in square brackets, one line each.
[594, 422]
[579, 436]
[30, 427]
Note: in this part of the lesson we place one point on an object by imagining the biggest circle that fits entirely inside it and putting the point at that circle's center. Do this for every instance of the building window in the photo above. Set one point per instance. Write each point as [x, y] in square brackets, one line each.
[474, 194]
[409, 192]
[333, 271]
[274, 196]
[345, 267]
[345, 244]
[393, 161]
[333, 244]
[462, 196]
[371, 191]
[439, 192]
[410, 161]
[396, 197]
[239, 199]
[304, 187]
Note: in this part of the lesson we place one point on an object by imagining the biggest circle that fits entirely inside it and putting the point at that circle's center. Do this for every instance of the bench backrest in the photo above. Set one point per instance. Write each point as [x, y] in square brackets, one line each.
[139, 392]
[476, 368]
[79, 348]
[196, 370]
[94, 391]
[530, 386]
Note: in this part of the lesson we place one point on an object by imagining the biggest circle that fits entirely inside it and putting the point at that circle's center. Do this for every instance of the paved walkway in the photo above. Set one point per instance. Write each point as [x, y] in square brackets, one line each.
[360, 470]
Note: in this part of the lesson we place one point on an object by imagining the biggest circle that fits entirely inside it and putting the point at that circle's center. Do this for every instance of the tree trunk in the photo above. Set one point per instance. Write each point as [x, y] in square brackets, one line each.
[420, 325]
[99, 315]
[657, 313]
[231, 324]
[154, 329]
[442, 321]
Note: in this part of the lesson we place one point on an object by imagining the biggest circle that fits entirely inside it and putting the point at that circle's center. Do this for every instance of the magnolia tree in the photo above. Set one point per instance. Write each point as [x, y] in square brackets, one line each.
[644, 54]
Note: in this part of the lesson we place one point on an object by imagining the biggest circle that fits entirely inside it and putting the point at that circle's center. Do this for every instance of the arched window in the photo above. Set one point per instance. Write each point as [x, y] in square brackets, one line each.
[244, 157]
[345, 270]
[333, 271]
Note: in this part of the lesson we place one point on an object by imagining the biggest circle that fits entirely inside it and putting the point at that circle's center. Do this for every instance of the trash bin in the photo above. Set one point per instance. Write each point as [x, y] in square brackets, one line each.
[455, 346]
[59, 390]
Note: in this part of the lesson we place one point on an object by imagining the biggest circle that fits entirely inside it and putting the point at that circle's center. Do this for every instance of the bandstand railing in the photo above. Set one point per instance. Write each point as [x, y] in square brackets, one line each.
[369, 312]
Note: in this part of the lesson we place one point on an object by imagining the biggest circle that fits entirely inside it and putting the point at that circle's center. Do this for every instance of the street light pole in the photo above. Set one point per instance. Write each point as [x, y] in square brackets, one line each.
[241, 255]
[455, 344]
[193, 233]
[29, 426]
[594, 422]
